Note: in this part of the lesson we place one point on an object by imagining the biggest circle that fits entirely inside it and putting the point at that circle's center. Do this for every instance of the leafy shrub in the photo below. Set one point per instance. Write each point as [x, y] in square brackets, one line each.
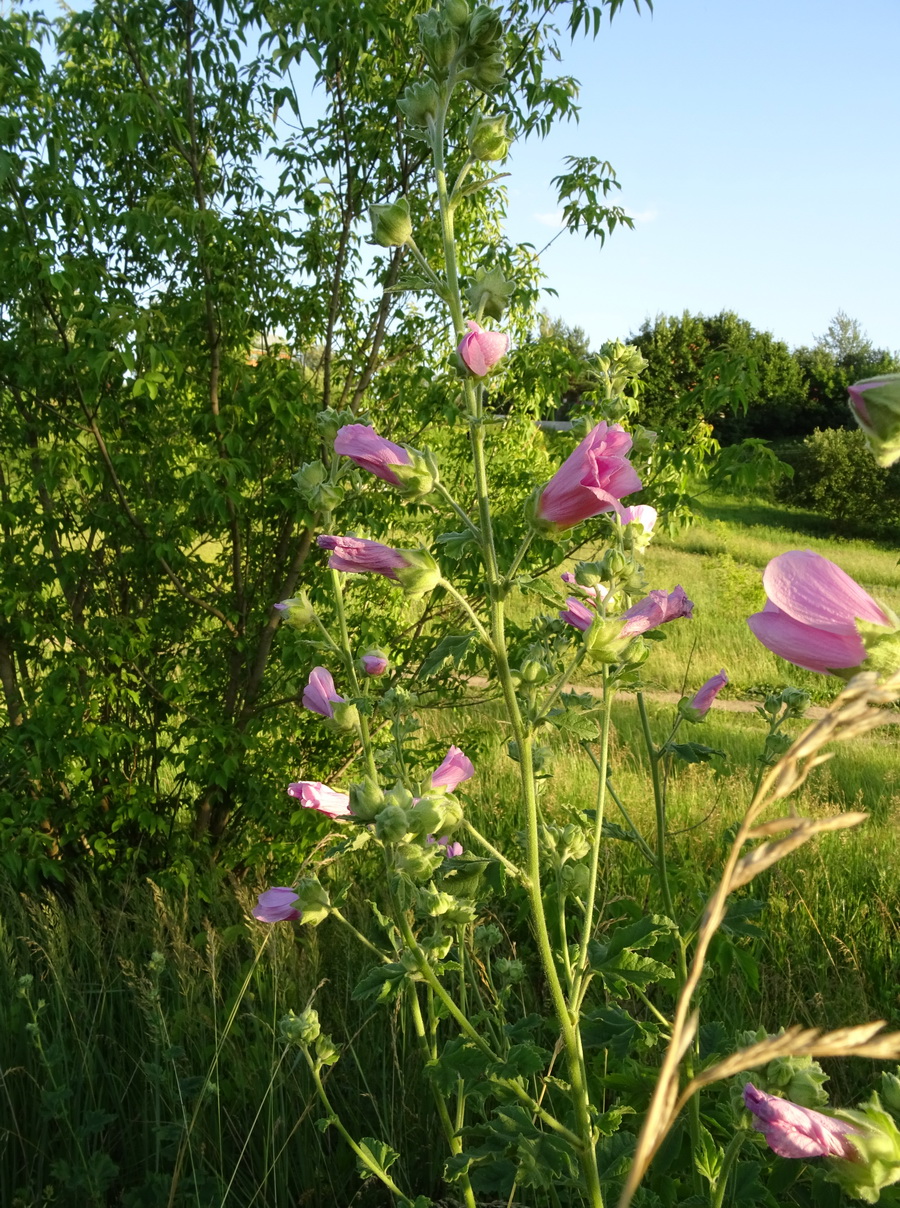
[835, 475]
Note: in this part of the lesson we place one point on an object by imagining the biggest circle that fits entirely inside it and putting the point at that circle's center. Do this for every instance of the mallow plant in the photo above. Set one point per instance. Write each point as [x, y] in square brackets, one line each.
[560, 1058]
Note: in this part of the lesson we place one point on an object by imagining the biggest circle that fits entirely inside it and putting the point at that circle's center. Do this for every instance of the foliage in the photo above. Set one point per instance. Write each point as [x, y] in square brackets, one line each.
[835, 475]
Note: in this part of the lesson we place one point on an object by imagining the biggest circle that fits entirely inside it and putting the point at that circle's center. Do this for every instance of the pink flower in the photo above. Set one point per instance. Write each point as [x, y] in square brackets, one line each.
[319, 694]
[480, 350]
[703, 698]
[654, 610]
[591, 593]
[642, 513]
[316, 796]
[576, 614]
[450, 849]
[371, 452]
[374, 663]
[811, 613]
[356, 554]
[454, 769]
[592, 479]
[275, 905]
[798, 1132]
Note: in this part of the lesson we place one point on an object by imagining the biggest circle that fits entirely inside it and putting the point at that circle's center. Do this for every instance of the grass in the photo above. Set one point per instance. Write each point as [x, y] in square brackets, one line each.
[140, 1064]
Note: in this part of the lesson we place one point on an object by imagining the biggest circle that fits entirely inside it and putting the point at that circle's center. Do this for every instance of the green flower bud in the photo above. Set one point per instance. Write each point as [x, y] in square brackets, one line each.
[797, 701]
[300, 1029]
[440, 41]
[487, 937]
[485, 26]
[312, 483]
[875, 404]
[614, 564]
[399, 795]
[488, 73]
[419, 863]
[457, 13]
[391, 224]
[346, 717]
[419, 103]
[453, 814]
[366, 799]
[312, 901]
[391, 824]
[489, 294]
[509, 970]
[533, 671]
[438, 946]
[421, 574]
[487, 138]
[435, 902]
[426, 817]
[603, 642]
[799, 1079]
[416, 479]
[589, 574]
[461, 913]
[326, 1052]
[876, 1164]
[329, 421]
[297, 611]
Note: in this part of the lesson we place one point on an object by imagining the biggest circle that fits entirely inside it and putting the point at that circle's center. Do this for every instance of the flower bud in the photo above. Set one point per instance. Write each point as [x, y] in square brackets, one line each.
[614, 564]
[486, 937]
[589, 574]
[457, 13]
[421, 573]
[345, 718]
[419, 863]
[300, 1029]
[533, 671]
[297, 611]
[391, 224]
[440, 41]
[329, 422]
[366, 799]
[487, 138]
[875, 404]
[489, 294]
[399, 795]
[485, 26]
[509, 970]
[391, 824]
[374, 662]
[312, 483]
[427, 815]
[604, 642]
[419, 103]
[312, 901]
[488, 73]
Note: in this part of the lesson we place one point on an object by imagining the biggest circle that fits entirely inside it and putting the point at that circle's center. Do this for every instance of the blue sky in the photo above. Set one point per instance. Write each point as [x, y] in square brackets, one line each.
[758, 146]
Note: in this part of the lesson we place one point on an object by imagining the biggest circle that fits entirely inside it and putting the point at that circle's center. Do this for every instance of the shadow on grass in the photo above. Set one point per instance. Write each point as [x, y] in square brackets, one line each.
[755, 512]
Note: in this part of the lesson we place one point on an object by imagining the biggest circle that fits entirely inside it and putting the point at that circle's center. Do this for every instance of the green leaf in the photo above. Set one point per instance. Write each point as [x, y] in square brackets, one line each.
[614, 1029]
[738, 917]
[693, 752]
[379, 1153]
[381, 983]
[708, 1157]
[451, 648]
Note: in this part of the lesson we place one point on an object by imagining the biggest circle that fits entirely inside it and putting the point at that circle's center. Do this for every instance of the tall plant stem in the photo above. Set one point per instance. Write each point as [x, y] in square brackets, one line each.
[347, 651]
[728, 1159]
[654, 756]
[453, 1142]
[602, 773]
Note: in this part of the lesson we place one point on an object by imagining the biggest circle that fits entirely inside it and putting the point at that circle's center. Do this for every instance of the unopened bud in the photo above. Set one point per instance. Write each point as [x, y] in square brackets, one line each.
[366, 799]
[485, 26]
[456, 12]
[488, 72]
[421, 573]
[391, 824]
[489, 294]
[299, 1029]
[487, 138]
[420, 103]
[391, 224]
[426, 816]
[440, 41]
[345, 717]
[297, 611]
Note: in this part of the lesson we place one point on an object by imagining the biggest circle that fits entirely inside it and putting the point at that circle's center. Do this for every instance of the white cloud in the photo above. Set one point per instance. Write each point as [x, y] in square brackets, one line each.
[554, 220]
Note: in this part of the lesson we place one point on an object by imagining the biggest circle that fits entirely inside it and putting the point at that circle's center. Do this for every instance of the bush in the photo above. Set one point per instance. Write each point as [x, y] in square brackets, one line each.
[835, 475]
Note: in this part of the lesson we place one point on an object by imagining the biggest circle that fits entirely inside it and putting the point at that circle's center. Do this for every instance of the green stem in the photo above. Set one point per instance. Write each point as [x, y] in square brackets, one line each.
[336, 914]
[512, 869]
[454, 1143]
[436, 283]
[460, 511]
[728, 1160]
[469, 611]
[564, 678]
[588, 927]
[364, 1158]
[347, 650]
[520, 554]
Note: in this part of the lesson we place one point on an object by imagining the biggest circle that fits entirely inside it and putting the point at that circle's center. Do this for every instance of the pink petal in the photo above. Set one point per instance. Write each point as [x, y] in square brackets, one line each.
[803, 645]
[455, 767]
[814, 591]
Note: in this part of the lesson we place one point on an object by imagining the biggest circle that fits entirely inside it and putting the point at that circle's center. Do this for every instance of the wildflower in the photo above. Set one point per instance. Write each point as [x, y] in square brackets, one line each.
[316, 796]
[276, 905]
[592, 479]
[480, 350]
[355, 554]
[454, 769]
[371, 452]
[451, 849]
[703, 698]
[812, 614]
[654, 610]
[319, 695]
[798, 1132]
[374, 662]
[575, 613]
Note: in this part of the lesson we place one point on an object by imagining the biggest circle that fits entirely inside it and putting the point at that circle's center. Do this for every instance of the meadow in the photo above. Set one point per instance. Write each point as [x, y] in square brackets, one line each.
[140, 1058]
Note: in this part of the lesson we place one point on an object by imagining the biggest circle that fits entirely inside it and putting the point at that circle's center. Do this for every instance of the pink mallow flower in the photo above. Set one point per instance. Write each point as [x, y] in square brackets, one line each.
[451, 849]
[455, 768]
[480, 350]
[811, 612]
[314, 795]
[640, 513]
[654, 610]
[592, 479]
[595, 594]
[575, 613]
[276, 905]
[703, 698]
[374, 663]
[355, 554]
[798, 1132]
[319, 694]
[371, 452]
